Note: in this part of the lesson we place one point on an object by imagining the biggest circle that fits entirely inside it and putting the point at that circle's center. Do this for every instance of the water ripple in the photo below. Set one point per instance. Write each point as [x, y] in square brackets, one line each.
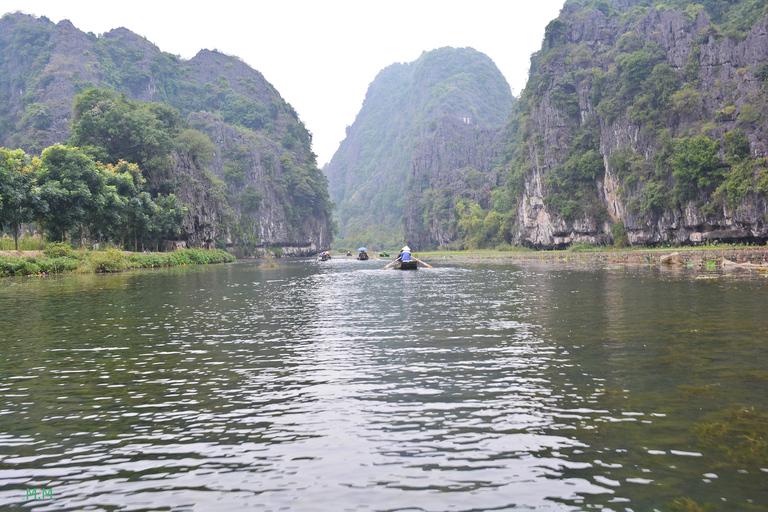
[340, 386]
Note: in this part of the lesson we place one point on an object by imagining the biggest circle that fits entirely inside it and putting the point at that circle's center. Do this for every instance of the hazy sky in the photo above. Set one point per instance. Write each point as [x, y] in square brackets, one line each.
[321, 55]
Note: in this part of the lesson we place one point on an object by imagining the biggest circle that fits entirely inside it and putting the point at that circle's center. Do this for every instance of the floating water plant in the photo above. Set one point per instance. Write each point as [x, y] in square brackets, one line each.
[686, 504]
[740, 435]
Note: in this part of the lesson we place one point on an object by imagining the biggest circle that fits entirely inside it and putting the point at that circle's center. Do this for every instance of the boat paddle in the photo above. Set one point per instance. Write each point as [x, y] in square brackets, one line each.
[388, 265]
[425, 264]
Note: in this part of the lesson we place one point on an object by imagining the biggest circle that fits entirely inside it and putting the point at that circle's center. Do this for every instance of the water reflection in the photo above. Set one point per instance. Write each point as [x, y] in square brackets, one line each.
[335, 385]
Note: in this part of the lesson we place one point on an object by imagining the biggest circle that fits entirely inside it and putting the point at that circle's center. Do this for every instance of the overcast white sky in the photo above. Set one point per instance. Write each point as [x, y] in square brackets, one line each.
[321, 55]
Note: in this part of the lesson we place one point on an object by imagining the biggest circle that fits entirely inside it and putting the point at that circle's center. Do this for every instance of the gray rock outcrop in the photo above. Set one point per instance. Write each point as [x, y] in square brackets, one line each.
[725, 86]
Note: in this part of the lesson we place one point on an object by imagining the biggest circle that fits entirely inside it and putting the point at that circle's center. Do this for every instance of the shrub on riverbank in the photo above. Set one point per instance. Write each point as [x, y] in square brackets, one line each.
[60, 258]
[182, 257]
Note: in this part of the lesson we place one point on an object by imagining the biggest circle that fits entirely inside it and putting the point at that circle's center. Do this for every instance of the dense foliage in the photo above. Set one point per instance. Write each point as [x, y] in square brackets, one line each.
[98, 185]
[66, 192]
[116, 128]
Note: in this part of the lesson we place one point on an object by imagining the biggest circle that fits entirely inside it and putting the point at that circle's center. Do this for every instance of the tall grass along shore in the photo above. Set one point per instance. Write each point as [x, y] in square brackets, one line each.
[60, 258]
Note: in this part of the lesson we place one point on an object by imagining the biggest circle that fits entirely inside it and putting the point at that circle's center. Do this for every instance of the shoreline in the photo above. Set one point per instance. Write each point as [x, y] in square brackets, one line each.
[689, 256]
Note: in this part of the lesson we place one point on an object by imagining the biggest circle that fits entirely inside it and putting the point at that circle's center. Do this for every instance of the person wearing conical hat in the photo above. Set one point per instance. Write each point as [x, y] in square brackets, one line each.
[405, 254]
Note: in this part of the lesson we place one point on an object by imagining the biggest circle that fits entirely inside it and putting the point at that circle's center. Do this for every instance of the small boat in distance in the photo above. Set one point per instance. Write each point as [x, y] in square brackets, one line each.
[324, 256]
[363, 255]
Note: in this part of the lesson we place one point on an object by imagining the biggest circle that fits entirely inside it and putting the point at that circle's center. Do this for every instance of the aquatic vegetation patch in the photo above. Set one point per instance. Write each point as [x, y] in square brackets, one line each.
[699, 391]
[57, 265]
[181, 257]
[13, 266]
[686, 504]
[740, 435]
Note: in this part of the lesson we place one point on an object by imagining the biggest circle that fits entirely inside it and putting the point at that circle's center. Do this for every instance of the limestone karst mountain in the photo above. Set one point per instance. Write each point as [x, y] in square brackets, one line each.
[642, 123]
[261, 186]
[405, 104]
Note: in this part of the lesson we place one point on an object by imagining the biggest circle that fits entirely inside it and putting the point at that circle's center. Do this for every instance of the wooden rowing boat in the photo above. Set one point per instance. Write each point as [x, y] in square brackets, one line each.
[411, 264]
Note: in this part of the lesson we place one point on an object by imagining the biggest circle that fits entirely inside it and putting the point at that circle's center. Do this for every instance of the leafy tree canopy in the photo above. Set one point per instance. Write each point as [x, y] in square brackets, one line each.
[117, 128]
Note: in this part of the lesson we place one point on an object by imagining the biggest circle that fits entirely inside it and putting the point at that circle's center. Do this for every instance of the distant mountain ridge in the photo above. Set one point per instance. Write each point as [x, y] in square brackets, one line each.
[263, 187]
[404, 104]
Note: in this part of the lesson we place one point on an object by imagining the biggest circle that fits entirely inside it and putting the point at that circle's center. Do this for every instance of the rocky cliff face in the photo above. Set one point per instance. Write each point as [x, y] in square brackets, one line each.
[202, 224]
[694, 84]
[43, 66]
[264, 222]
[368, 174]
[457, 161]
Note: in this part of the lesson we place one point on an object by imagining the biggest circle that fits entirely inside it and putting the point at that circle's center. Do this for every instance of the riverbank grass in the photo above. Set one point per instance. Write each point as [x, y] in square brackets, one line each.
[26, 242]
[60, 258]
[709, 255]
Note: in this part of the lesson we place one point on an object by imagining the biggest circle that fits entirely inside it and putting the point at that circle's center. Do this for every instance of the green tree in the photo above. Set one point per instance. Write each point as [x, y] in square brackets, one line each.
[123, 183]
[741, 179]
[37, 116]
[72, 184]
[303, 188]
[470, 222]
[139, 215]
[198, 145]
[652, 106]
[117, 128]
[18, 193]
[636, 67]
[656, 198]
[238, 109]
[695, 166]
[251, 199]
[737, 147]
[166, 218]
[237, 164]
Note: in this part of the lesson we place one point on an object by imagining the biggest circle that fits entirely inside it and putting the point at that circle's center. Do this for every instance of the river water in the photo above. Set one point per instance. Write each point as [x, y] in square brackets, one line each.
[337, 386]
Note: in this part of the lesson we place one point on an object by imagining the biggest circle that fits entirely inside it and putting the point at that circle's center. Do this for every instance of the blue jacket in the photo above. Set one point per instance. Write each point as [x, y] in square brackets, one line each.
[406, 256]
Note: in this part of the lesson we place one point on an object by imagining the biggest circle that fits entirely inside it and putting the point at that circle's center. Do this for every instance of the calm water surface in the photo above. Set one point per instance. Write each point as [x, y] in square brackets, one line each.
[337, 386]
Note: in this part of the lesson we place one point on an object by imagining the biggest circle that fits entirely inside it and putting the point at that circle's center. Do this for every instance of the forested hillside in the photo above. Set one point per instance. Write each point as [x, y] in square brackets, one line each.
[642, 122]
[230, 148]
[404, 105]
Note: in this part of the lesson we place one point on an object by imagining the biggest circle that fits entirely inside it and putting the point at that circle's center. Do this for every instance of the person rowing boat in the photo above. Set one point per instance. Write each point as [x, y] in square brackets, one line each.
[406, 261]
